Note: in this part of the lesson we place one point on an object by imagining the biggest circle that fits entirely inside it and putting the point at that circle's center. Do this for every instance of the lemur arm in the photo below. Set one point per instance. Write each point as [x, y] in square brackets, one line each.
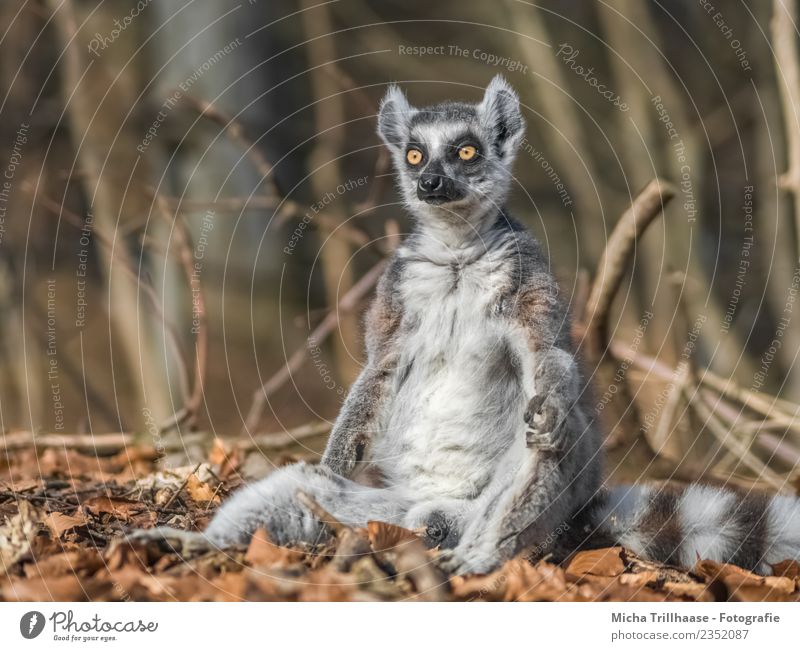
[359, 415]
[355, 425]
[544, 322]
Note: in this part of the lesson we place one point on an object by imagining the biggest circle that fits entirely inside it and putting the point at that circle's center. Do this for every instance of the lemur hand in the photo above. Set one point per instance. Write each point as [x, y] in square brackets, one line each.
[352, 431]
[344, 451]
[556, 380]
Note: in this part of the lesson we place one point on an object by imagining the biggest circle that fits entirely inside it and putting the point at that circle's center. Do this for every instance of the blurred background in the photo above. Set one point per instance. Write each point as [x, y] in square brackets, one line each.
[195, 206]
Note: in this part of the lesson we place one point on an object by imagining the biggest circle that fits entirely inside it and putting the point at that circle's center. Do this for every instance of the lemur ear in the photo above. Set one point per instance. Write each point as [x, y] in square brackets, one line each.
[393, 117]
[501, 116]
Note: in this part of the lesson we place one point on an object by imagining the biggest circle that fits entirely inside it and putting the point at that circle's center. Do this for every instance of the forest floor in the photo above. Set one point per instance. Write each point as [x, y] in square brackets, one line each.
[64, 516]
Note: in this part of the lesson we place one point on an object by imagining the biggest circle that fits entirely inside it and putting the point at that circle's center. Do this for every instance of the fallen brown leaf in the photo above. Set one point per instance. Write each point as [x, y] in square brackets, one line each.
[684, 590]
[133, 455]
[741, 581]
[787, 568]
[77, 561]
[200, 491]
[21, 485]
[599, 562]
[780, 584]
[384, 536]
[760, 593]
[58, 522]
[72, 464]
[639, 579]
[263, 552]
[226, 461]
[120, 508]
[218, 452]
[714, 570]
[60, 588]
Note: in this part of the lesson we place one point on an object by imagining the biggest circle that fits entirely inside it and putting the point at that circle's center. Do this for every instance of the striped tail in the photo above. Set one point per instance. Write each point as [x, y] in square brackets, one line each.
[681, 525]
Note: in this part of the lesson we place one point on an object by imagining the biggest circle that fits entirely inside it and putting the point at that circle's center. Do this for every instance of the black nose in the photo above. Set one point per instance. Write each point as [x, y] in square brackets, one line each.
[430, 182]
[436, 188]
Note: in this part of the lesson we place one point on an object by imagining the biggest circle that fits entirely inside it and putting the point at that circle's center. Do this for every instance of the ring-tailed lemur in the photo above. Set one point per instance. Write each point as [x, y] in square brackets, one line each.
[470, 417]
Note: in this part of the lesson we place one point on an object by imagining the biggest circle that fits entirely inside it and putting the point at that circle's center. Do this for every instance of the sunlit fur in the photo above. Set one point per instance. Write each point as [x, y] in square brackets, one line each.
[467, 331]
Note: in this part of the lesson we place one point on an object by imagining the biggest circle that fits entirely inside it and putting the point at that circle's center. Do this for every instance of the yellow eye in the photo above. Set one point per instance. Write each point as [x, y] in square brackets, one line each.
[467, 152]
[414, 156]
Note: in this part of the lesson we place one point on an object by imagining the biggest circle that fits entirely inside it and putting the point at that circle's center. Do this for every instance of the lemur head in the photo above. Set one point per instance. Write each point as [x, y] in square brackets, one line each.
[454, 160]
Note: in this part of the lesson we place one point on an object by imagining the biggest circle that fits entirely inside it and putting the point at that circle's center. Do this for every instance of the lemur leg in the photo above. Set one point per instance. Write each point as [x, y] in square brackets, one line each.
[355, 426]
[527, 507]
[525, 504]
[272, 504]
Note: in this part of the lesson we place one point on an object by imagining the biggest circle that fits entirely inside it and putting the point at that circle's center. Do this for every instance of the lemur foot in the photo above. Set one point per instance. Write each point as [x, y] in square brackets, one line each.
[441, 531]
[436, 530]
[471, 560]
[188, 543]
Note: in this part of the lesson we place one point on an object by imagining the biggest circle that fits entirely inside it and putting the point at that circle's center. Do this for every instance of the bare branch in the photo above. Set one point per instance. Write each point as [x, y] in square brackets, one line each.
[620, 417]
[101, 444]
[617, 255]
[728, 440]
[787, 69]
[280, 440]
[185, 247]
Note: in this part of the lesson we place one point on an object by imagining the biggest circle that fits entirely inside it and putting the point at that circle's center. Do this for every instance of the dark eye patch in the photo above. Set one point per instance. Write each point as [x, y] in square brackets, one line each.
[464, 139]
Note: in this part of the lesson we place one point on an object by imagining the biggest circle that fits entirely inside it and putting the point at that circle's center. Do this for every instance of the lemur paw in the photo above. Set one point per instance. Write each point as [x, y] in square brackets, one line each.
[557, 382]
[545, 417]
[439, 532]
[466, 561]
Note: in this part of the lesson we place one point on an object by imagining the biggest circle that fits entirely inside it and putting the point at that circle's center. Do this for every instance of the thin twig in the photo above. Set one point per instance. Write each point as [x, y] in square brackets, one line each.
[671, 406]
[235, 132]
[182, 486]
[321, 514]
[280, 440]
[778, 409]
[101, 444]
[732, 416]
[726, 438]
[779, 447]
[213, 495]
[95, 443]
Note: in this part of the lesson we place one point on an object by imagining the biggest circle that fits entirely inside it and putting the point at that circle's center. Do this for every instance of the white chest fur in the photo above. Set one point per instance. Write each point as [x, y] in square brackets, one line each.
[462, 381]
